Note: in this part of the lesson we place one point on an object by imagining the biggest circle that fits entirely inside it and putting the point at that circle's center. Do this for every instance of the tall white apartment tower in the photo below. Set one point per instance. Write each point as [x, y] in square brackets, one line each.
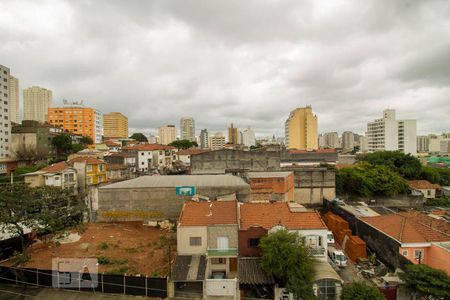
[14, 99]
[5, 122]
[36, 101]
[390, 134]
[187, 129]
[248, 137]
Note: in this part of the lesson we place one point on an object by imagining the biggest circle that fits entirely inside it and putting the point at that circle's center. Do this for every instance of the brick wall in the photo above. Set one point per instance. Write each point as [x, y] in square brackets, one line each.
[245, 235]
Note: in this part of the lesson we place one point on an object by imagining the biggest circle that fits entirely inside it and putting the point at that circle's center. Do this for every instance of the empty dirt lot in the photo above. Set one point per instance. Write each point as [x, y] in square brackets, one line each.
[120, 248]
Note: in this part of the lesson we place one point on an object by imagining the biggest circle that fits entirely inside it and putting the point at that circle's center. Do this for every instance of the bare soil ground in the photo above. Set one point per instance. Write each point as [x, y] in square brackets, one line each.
[127, 247]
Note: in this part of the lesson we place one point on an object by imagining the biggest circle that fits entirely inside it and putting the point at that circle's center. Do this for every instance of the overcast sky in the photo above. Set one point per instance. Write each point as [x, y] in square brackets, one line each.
[246, 62]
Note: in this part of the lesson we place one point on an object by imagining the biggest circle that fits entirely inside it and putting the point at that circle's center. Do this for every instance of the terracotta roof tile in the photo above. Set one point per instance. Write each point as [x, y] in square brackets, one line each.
[192, 151]
[88, 159]
[299, 151]
[268, 215]
[112, 167]
[411, 227]
[208, 213]
[58, 167]
[422, 185]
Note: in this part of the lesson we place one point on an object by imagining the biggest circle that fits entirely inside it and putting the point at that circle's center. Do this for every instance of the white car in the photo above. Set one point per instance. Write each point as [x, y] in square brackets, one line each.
[330, 237]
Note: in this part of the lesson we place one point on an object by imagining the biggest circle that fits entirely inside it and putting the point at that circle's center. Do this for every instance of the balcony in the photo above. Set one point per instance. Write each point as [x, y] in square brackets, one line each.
[223, 252]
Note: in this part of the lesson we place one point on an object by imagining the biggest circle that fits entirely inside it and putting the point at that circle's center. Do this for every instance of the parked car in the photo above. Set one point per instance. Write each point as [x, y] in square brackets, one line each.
[337, 256]
[330, 237]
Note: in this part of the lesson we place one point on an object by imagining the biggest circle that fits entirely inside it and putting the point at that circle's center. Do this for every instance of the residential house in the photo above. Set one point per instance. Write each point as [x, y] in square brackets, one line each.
[126, 159]
[207, 241]
[113, 146]
[7, 165]
[271, 186]
[419, 238]
[60, 174]
[91, 171]
[118, 172]
[185, 155]
[152, 156]
[424, 187]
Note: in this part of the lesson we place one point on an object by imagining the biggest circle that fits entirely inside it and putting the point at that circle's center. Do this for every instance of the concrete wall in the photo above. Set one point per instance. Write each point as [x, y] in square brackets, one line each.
[163, 201]
[183, 244]
[230, 231]
[35, 180]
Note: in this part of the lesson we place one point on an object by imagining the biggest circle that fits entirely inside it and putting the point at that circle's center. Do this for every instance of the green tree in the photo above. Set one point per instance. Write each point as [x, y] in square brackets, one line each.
[62, 144]
[405, 164]
[139, 137]
[427, 282]
[183, 144]
[285, 257]
[361, 291]
[86, 140]
[41, 210]
[436, 175]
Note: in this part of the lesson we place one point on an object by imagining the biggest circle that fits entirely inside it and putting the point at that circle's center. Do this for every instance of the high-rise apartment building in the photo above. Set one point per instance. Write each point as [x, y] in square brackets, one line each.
[187, 129]
[434, 144]
[233, 137]
[331, 140]
[423, 143]
[5, 122]
[204, 140]
[75, 118]
[115, 125]
[301, 129]
[167, 134]
[348, 140]
[390, 134]
[36, 102]
[14, 106]
[217, 141]
[248, 137]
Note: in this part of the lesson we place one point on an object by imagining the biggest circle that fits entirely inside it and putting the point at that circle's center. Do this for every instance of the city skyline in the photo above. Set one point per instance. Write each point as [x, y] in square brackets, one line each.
[217, 74]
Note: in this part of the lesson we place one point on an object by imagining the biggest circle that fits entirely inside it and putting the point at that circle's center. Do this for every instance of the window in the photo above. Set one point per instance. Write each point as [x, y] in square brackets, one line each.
[89, 168]
[100, 168]
[222, 242]
[418, 254]
[195, 241]
[429, 192]
[253, 242]
[218, 261]
[100, 178]
[405, 252]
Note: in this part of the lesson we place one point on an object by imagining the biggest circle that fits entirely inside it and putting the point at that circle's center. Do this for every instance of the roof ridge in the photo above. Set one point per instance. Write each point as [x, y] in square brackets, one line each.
[402, 228]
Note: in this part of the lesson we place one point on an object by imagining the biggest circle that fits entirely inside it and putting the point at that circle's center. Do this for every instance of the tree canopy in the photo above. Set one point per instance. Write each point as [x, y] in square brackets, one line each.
[139, 137]
[368, 180]
[361, 291]
[405, 164]
[427, 282]
[41, 209]
[62, 144]
[183, 144]
[285, 257]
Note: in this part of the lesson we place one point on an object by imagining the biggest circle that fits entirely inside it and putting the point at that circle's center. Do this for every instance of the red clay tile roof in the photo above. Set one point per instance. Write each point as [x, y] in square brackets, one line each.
[122, 154]
[149, 147]
[58, 167]
[411, 227]
[111, 143]
[88, 159]
[112, 167]
[267, 215]
[423, 185]
[192, 151]
[208, 213]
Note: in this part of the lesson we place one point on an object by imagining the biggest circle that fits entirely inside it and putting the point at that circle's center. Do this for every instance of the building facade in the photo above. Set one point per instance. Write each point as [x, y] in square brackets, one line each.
[216, 141]
[348, 140]
[248, 137]
[77, 119]
[115, 125]
[331, 140]
[187, 129]
[36, 103]
[5, 122]
[301, 129]
[167, 134]
[422, 143]
[152, 156]
[233, 136]
[204, 141]
[14, 107]
[390, 134]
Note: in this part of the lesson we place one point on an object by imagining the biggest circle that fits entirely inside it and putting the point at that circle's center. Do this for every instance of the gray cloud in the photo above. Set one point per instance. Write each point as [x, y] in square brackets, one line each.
[246, 62]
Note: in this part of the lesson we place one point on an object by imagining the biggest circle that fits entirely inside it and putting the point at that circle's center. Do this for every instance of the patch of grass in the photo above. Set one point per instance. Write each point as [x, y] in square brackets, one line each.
[103, 246]
[119, 271]
[102, 260]
[154, 274]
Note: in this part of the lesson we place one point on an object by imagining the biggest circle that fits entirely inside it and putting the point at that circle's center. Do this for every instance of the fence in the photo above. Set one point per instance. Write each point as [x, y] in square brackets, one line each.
[118, 284]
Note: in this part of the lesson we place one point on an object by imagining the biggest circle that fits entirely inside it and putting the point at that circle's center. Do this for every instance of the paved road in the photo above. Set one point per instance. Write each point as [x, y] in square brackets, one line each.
[13, 292]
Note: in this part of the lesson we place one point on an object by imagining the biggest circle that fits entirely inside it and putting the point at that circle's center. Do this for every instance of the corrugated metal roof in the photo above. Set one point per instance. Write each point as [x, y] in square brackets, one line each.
[250, 272]
[178, 180]
[323, 270]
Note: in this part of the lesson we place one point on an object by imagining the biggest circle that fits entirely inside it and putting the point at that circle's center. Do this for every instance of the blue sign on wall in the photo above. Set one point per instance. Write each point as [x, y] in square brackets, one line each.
[185, 190]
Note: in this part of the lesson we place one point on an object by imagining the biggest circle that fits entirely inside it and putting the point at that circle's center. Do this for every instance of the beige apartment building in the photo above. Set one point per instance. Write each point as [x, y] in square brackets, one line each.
[301, 129]
[115, 125]
[14, 106]
[36, 102]
[187, 129]
[5, 123]
[216, 141]
[167, 134]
